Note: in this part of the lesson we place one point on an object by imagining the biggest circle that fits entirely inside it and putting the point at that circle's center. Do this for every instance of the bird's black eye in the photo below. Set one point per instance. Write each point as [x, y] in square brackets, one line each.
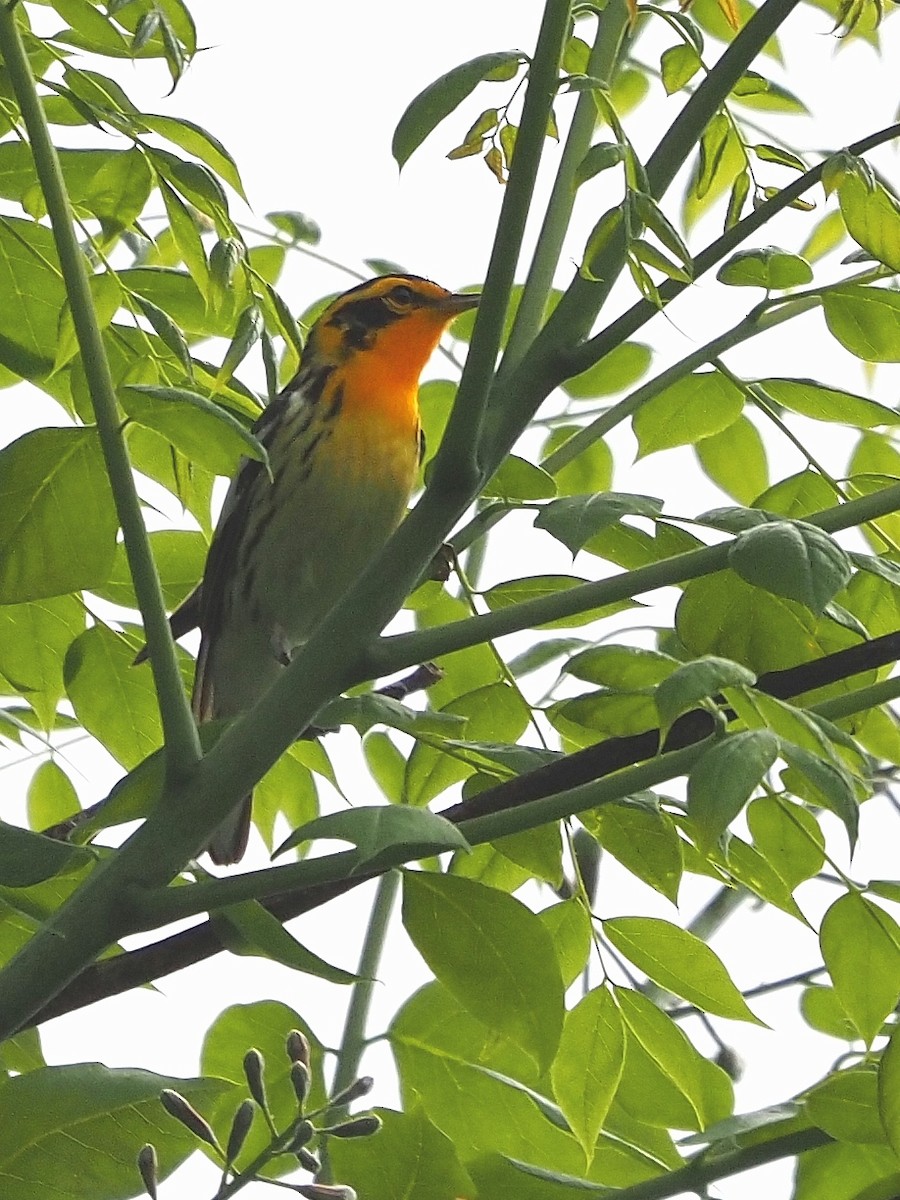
[402, 295]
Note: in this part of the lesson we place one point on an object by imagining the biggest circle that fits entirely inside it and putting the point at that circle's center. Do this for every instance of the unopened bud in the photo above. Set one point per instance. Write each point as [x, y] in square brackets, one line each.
[300, 1081]
[297, 1047]
[326, 1191]
[179, 1108]
[359, 1087]
[308, 1161]
[148, 1167]
[730, 1062]
[302, 1134]
[240, 1127]
[253, 1070]
[358, 1127]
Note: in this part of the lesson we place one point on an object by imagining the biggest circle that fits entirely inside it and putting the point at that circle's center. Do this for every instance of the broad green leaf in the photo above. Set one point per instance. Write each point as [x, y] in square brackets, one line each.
[766, 267]
[386, 764]
[847, 1171]
[797, 495]
[864, 320]
[34, 638]
[380, 831]
[746, 866]
[59, 1116]
[410, 1157]
[822, 403]
[518, 479]
[845, 1105]
[573, 520]
[872, 217]
[792, 559]
[643, 838]
[538, 851]
[600, 157]
[467, 670]
[678, 66]
[822, 1011]
[264, 1026]
[534, 587]
[826, 235]
[736, 460]
[622, 668]
[251, 930]
[440, 98]
[615, 372]
[615, 714]
[692, 408]
[492, 712]
[287, 789]
[692, 682]
[475, 940]
[666, 1080]
[179, 555]
[889, 1092]
[629, 547]
[187, 237]
[722, 781]
[112, 185]
[860, 944]
[829, 785]
[114, 700]
[57, 520]
[199, 428]
[754, 91]
[569, 927]
[51, 796]
[588, 1064]
[788, 837]
[591, 471]
[199, 142]
[679, 962]
[28, 858]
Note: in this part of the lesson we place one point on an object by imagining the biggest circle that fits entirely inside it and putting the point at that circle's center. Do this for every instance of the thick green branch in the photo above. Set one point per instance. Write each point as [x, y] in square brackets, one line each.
[182, 743]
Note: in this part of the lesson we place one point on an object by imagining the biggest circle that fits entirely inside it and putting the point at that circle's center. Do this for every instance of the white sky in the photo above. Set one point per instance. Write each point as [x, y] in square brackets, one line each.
[306, 97]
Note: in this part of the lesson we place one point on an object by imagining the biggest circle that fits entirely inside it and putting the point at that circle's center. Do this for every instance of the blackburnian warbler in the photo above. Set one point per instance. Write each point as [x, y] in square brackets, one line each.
[344, 445]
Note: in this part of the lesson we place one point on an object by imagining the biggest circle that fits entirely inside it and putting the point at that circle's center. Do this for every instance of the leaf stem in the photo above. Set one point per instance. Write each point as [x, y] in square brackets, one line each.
[182, 742]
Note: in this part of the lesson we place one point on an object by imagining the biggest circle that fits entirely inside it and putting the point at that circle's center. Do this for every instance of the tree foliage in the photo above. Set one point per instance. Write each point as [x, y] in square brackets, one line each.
[768, 690]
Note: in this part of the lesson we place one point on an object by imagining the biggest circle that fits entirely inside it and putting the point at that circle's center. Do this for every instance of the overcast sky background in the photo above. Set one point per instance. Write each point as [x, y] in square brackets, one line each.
[306, 98]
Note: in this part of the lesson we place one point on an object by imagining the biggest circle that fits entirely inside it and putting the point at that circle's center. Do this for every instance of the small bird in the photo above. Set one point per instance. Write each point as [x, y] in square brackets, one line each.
[344, 444]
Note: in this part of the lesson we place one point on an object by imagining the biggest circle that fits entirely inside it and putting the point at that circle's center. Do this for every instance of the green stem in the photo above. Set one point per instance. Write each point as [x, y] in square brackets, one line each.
[611, 27]
[848, 705]
[401, 650]
[457, 467]
[758, 320]
[182, 743]
[353, 1042]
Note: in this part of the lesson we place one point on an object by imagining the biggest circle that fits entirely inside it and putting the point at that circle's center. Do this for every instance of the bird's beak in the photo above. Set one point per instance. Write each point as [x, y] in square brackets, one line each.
[459, 302]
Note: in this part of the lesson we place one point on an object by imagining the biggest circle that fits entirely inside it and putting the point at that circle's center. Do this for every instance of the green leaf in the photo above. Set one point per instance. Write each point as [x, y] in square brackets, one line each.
[533, 587]
[31, 297]
[692, 408]
[249, 329]
[51, 796]
[889, 1092]
[203, 430]
[59, 1116]
[588, 1065]
[860, 944]
[591, 471]
[410, 1157]
[380, 831]
[617, 371]
[114, 700]
[57, 519]
[643, 838]
[822, 1011]
[440, 98]
[518, 479]
[573, 520]
[826, 235]
[666, 1080]
[864, 320]
[622, 668]
[722, 781]
[28, 858]
[179, 555]
[830, 784]
[692, 682]
[112, 185]
[251, 930]
[792, 559]
[494, 712]
[736, 460]
[872, 216]
[600, 157]
[475, 940]
[822, 403]
[766, 267]
[678, 66]
[788, 837]
[197, 141]
[263, 1025]
[679, 962]
[569, 927]
[34, 638]
[845, 1105]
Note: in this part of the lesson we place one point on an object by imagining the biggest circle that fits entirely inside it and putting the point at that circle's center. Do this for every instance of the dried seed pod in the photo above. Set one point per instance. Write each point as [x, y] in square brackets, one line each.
[149, 1169]
[297, 1047]
[182, 1110]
